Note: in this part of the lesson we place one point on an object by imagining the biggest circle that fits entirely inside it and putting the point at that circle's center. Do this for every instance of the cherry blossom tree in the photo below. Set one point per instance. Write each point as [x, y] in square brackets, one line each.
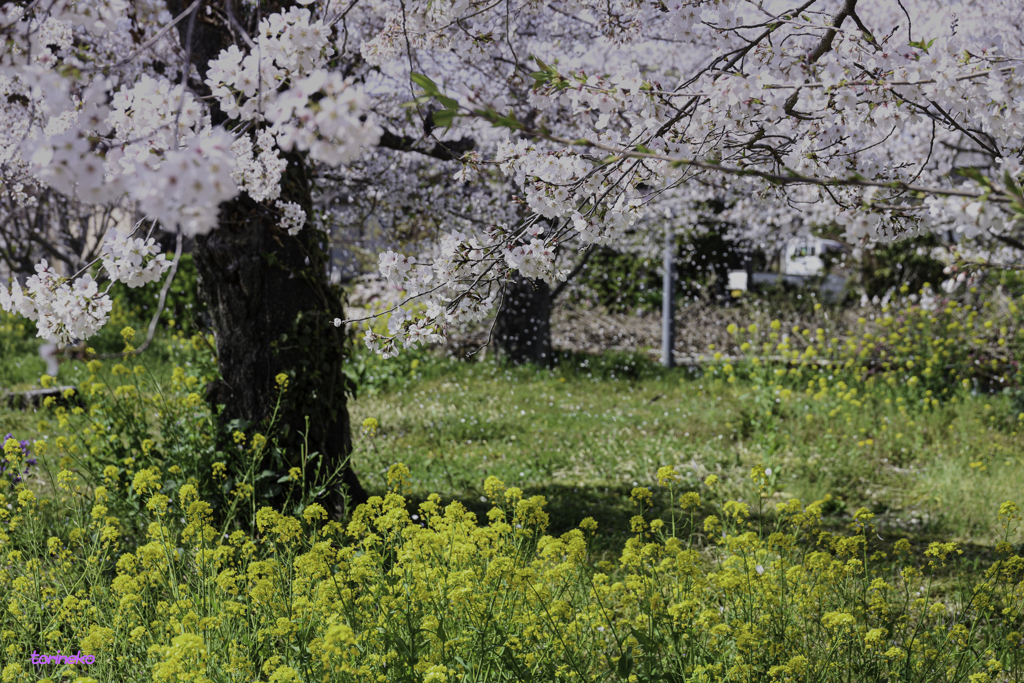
[887, 118]
[220, 120]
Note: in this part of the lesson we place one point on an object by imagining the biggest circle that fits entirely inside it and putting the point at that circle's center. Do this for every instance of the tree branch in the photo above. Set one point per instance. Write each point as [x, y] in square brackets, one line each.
[573, 273]
[1009, 241]
[775, 178]
[837, 21]
[446, 151]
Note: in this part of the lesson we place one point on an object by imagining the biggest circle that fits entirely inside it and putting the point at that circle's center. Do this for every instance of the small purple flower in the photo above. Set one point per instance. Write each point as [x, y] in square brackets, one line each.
[29, 462]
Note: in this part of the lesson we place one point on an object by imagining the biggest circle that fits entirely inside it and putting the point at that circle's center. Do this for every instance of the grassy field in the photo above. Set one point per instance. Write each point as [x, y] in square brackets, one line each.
[585, 440]
[585, 433]
[719, 571]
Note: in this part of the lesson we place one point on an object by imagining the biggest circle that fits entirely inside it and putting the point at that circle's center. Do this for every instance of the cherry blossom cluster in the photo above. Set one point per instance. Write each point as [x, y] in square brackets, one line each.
[292, 217]
[68, 163]
[971, 217]
[258, 167]
[63, 311]
[847, 113]
[420, 24]
[461, 284]
[153, 115]
[96, 17]
[188, 186]
[562, 183]
[178, 180]
[126, 259]
[824, 99]
[68, 309]
[965, 263]
[289, 46]
[321, 114]
[833, 123]
[534, 259]
[101, 131]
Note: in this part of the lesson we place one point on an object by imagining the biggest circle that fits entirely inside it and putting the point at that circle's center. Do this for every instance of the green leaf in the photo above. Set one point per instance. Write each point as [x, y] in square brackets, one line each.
[444, 118]
[498, 120]
[1010, 184]
[976, 175]
[486, 113]
[448, 102]
[428, 85]
[625, 664]
[644, 640]
[419, 101]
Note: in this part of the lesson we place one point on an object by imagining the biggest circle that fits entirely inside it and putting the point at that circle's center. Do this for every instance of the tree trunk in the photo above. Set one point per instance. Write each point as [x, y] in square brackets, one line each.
[272, 308]
[522, 331]
[271, 304]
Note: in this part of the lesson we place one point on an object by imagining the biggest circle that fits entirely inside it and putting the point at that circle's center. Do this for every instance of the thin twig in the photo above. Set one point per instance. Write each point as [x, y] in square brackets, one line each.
[793, 179]
[149, 43]
[159, 309]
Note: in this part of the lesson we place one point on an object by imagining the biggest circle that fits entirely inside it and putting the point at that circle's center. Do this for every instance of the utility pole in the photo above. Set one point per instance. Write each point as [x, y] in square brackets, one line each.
[668, 302]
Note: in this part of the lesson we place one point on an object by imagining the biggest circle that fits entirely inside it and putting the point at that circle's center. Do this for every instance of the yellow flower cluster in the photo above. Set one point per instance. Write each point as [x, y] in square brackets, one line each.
[768, 594]
[921, 347]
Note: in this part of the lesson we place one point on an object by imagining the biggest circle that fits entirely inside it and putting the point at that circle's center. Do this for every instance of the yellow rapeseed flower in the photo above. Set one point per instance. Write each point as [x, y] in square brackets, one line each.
[258, 442]
[641, 495]
[146, 479]
[689, 500]
[668, 475]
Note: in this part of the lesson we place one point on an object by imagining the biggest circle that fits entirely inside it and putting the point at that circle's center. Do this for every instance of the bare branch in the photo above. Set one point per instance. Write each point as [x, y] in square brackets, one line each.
[826, 40]
[446, 151]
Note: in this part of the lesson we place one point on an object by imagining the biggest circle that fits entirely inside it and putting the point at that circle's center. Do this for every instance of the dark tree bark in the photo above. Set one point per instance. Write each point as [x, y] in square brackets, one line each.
[271, 305]
[268, 293]
[522, 330]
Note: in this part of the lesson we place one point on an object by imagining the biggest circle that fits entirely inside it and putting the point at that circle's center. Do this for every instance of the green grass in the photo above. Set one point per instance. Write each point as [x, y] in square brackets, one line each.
[585, 441]
[23, 369]
[588, 431]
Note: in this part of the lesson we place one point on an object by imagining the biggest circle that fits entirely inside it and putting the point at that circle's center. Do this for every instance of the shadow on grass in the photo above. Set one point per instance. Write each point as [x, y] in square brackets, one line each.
[566, 507]
[612, 509]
